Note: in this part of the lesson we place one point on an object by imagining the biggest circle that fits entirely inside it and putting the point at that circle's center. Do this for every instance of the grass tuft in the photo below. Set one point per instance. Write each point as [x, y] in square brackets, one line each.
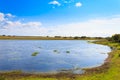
[67, 51]
[35, 53]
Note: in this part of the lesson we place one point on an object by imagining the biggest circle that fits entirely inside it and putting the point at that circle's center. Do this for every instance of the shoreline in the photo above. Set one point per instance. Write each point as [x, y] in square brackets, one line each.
[102, 68]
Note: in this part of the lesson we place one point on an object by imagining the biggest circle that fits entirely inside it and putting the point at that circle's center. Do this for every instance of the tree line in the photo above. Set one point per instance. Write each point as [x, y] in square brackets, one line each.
[114, 38]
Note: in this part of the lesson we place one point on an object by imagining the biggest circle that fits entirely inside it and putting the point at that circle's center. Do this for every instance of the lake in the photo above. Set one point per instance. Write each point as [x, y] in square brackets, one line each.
[46, 56]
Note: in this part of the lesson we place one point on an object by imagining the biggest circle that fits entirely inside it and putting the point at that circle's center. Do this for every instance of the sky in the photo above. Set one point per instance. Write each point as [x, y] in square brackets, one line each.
[94, 18]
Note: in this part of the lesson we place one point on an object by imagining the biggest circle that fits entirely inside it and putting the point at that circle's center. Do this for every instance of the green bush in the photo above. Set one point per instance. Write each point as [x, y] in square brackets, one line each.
[116, 38]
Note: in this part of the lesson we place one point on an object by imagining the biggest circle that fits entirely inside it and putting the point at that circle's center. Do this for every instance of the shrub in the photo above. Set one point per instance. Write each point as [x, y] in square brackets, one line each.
[116, 38]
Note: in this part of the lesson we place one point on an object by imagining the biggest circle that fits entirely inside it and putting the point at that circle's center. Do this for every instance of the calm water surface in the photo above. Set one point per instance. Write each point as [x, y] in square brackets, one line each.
[53, 55]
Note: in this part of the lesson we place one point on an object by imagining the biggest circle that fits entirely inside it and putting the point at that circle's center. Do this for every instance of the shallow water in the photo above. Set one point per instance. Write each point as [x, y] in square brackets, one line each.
[53, 55]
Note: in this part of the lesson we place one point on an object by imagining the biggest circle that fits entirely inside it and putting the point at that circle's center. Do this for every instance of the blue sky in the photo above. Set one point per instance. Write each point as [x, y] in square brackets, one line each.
[60, 17]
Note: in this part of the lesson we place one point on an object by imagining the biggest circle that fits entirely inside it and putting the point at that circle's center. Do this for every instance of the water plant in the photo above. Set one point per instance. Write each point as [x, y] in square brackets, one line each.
[40, 47]
[67, 51]
[55, 50]
[35, 53]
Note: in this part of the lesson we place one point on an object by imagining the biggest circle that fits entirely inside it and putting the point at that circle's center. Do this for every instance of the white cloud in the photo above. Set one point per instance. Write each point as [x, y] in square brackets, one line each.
[93, 27]
[68, 1]
[5, 16]
[10, 27]
[18, 24]
[55, 3]
[9, 15]
[2, 16]
[78, 4]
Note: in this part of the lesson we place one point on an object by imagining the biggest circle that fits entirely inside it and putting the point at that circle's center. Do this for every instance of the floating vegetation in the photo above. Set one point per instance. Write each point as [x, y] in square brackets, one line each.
[56, 51]
[34, 54]
[40, 47]
[67, 51]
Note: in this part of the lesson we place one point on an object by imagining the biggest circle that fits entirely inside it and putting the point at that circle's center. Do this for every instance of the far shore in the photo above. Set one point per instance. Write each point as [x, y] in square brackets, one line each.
[47, 38]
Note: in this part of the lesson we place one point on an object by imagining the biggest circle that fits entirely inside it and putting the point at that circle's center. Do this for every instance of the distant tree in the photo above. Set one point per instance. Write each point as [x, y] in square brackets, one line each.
[116, 38]
[64, 37]
[3, 35]
[109, 38]
[57, 36]
[76, 37]
[9, 35]
[83, 37]
[98, 37]
[47, 36]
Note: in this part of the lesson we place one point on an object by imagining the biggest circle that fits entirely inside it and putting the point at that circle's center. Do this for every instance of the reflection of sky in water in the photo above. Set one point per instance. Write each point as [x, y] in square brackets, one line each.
[16, 55]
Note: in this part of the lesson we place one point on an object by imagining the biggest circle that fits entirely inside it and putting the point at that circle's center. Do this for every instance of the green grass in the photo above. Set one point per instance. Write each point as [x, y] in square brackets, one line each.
[2, 78]
[106, 73]
[32, 78]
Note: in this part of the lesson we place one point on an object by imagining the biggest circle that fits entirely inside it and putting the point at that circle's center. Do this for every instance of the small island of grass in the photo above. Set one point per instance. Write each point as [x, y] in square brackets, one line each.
[35, 53]
[67, 51]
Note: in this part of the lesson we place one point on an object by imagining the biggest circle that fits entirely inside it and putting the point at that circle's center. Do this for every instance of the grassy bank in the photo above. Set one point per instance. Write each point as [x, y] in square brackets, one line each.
[108, 71]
